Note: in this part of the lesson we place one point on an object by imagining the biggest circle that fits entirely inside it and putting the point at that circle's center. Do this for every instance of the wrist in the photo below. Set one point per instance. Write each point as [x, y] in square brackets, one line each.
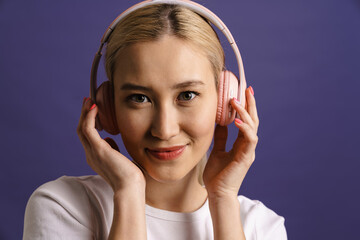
[131, 192]
[221, 195]
[222, 199]
[225, 215]
[129, 214]
[128, 203]
[136, 185]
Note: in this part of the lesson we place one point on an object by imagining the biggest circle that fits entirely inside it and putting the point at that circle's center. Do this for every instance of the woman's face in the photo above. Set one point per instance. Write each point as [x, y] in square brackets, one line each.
[165, 104]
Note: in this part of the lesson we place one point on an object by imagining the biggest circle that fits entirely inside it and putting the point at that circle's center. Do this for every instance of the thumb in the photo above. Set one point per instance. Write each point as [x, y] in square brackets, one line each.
[220, 138]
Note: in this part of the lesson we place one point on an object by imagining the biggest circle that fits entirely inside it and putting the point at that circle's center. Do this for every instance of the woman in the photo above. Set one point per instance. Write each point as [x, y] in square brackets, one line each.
[163, 63]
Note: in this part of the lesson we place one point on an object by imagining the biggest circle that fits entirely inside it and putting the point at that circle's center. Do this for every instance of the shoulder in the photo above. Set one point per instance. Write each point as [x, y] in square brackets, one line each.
[71, 193]
[259, 221]
[67, 205]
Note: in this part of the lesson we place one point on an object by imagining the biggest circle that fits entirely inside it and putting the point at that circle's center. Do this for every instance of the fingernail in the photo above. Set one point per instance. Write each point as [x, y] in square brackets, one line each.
[85, 100]
[238, 121]
[92, 107]
[251, 90]
[237, 101]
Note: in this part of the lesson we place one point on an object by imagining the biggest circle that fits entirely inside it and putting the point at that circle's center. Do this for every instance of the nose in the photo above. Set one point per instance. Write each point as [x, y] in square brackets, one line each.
[165, 124]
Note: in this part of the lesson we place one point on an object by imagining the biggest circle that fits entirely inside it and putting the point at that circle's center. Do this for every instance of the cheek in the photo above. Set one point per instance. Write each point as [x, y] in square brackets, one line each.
[132, 126]
[202, 121]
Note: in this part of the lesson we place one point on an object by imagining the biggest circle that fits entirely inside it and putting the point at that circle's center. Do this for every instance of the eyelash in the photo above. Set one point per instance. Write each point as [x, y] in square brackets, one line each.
[195, 94]
[133, 97]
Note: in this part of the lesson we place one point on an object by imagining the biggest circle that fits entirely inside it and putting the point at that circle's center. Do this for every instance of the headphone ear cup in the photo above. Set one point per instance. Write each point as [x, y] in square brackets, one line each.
[106, 118]
[227, 89]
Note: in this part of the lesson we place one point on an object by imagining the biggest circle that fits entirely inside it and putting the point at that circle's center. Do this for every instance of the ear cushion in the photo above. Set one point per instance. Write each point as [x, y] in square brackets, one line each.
[106, 118]
[227, 89]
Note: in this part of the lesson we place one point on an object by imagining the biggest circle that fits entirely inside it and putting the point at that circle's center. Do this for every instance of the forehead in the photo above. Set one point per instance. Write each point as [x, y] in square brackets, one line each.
[162, 63]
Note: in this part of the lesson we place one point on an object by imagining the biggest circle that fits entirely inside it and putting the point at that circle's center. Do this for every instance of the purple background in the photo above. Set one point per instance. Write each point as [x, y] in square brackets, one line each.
[301, 57]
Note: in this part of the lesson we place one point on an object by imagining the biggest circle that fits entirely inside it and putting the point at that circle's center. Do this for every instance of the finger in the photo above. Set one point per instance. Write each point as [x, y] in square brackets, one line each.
[84, 100]
[244, 115]
[88, 127]
[246, 131]
[237, 123]
[251, 106]
[80, 124]
[87, 102]
[220, 137]
[112, 143]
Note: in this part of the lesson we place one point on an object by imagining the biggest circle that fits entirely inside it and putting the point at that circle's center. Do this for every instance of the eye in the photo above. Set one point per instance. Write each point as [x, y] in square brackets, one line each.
[187, 96]
[138, 98]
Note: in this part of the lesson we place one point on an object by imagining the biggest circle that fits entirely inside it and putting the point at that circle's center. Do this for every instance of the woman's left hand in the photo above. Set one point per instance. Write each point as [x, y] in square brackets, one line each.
[225, 171]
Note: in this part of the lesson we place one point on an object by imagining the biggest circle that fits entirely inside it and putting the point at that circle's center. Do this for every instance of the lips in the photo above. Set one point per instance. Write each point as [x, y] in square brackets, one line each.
[170, 153]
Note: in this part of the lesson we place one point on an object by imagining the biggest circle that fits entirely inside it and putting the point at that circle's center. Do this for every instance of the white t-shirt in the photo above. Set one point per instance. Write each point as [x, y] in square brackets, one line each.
[82, 208]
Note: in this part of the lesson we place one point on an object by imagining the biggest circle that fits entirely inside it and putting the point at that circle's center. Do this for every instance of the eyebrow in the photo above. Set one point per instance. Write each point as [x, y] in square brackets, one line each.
[131, 86]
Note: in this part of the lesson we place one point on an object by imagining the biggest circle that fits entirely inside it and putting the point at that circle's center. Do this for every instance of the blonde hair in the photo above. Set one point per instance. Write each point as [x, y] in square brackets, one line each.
[151, 23]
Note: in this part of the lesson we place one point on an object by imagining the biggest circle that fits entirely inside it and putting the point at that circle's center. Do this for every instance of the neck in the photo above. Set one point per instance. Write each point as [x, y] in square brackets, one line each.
[184, 195]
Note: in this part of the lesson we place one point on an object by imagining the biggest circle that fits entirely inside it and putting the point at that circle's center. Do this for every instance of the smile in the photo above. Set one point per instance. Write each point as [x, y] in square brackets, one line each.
[167, 153]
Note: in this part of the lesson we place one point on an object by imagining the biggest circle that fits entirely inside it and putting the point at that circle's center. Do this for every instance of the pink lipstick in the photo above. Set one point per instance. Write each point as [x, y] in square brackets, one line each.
[167, 153]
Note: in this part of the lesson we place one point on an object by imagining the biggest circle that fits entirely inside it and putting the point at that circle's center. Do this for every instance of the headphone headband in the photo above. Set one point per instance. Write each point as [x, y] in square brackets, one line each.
[195, 7]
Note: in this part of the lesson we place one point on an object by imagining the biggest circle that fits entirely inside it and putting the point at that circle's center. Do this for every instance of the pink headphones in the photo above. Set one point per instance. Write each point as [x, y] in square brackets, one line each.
[229, 86]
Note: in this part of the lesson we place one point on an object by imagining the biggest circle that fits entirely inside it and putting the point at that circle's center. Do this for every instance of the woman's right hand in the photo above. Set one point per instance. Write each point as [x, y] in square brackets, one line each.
[125, 178]
[103, 155]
